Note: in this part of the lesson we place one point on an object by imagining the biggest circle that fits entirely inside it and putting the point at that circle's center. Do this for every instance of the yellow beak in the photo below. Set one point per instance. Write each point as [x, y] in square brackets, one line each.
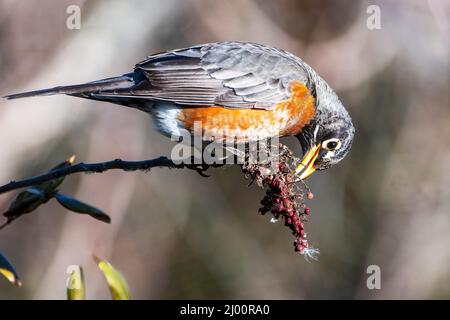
[306, 167]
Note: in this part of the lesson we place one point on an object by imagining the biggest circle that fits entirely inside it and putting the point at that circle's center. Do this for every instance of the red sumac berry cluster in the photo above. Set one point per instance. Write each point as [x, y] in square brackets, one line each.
[285, 196]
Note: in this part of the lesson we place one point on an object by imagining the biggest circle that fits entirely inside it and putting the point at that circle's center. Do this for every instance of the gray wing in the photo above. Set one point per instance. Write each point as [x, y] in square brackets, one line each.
[229, 74]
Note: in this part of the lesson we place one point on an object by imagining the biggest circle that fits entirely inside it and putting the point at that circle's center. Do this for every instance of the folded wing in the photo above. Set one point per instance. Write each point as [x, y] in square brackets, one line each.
[232, 74]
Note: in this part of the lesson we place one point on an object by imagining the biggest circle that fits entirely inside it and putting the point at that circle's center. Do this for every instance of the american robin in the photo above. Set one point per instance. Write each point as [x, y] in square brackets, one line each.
[238, 91]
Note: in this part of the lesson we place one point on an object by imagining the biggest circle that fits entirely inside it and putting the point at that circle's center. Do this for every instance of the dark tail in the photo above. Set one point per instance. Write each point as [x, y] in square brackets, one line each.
[122, 82]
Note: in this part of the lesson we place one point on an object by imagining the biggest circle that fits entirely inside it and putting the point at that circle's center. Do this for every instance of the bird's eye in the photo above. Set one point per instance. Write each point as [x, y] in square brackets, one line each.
[332, 144]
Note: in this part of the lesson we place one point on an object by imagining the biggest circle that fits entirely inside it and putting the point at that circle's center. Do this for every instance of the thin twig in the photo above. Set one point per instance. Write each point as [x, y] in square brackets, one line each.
[100, 167]
[7, 222]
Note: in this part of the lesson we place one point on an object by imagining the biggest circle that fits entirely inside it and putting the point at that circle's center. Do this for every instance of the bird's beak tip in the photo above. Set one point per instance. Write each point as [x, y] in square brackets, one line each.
[306, 167]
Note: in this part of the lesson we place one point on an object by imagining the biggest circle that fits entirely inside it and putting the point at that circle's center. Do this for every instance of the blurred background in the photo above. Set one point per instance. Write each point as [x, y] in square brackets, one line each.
[176, 235]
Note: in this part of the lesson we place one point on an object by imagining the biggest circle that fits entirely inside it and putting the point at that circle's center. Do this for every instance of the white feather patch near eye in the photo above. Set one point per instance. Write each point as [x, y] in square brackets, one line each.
[316, 130]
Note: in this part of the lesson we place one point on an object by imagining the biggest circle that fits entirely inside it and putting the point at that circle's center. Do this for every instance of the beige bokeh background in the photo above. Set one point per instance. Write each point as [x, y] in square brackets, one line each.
[177, 235]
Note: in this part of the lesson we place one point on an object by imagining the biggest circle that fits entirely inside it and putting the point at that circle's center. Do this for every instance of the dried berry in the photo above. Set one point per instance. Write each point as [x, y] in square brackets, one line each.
[284, 197]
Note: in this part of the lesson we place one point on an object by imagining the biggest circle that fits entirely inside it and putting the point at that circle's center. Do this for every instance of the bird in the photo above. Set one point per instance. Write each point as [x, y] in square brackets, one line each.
[236, 90]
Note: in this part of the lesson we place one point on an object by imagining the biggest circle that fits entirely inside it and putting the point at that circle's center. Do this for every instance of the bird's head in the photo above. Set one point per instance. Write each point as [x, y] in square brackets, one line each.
[327, 139]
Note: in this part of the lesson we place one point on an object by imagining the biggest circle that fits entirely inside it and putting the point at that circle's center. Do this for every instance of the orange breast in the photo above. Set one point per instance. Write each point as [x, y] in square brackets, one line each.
[219, 123]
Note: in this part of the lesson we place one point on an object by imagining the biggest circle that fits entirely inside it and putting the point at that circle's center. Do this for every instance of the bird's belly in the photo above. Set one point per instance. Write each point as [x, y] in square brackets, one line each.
[217, 123]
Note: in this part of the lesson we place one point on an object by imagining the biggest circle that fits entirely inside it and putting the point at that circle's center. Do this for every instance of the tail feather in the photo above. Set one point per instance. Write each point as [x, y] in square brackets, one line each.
[121, 82]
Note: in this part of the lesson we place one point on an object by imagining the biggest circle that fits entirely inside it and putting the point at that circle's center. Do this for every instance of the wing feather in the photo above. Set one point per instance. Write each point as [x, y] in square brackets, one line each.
[229, 74]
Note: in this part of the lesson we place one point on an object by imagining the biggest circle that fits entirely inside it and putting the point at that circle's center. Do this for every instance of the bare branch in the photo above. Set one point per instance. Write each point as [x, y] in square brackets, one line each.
[144, 165]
